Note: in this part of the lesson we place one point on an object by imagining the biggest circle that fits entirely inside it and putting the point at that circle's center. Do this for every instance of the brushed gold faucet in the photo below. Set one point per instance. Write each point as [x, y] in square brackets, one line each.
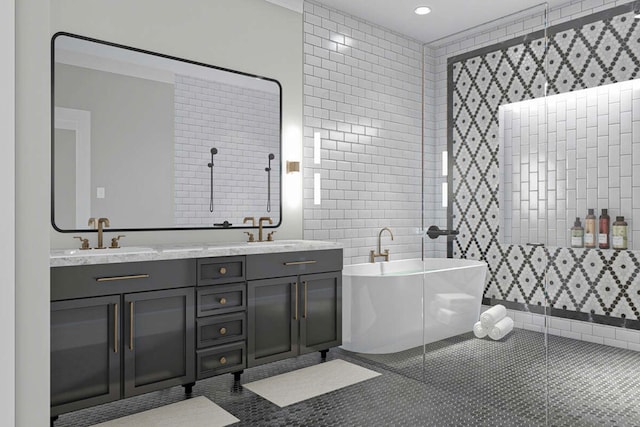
[99, 224]
[249, 218]
[264, 218]
[385, 254]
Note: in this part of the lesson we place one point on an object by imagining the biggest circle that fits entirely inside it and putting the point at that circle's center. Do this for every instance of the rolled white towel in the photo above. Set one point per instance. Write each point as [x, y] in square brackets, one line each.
[493, 316]
[501, 329]
[479, 331]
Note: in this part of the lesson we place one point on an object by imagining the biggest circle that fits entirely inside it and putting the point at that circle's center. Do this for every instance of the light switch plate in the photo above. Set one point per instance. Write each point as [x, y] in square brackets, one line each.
[100, 192]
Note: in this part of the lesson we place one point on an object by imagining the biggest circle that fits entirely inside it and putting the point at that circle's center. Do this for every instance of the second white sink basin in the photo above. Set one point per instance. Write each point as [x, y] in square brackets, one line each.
[109, 251]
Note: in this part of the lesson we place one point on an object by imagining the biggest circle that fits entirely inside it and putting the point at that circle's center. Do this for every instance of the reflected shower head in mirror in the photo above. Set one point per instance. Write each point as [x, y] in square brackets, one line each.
[214, 151]
[271, 157]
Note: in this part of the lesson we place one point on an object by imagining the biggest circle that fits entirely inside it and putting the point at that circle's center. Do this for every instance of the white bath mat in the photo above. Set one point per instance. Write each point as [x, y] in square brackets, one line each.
[293, 387]
[198, 411]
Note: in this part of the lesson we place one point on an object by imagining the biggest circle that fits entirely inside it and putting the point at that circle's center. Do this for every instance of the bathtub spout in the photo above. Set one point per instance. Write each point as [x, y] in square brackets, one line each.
[385, 254]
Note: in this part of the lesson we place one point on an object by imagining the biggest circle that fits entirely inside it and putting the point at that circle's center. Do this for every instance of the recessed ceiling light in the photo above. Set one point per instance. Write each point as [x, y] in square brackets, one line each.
[422, 10]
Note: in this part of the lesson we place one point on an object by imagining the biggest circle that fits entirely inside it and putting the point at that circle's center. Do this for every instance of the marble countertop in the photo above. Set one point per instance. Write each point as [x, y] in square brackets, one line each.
[70, 257]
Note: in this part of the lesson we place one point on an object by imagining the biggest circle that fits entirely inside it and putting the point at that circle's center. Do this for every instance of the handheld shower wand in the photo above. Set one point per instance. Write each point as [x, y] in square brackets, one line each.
[214, 151]
[268, 171]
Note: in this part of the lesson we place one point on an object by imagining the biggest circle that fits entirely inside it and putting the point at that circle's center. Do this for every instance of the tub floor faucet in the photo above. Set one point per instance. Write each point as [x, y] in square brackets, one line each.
[385, 254]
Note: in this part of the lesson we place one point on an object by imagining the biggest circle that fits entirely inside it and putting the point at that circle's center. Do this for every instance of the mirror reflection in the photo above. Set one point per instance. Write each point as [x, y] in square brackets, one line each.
[155, 142]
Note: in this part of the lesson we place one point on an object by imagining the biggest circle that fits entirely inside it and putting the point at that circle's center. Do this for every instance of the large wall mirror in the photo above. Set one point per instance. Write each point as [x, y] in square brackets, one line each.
[156, 142]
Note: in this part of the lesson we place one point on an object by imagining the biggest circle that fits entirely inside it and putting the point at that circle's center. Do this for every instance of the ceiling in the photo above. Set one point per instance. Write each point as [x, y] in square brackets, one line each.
[447, 17]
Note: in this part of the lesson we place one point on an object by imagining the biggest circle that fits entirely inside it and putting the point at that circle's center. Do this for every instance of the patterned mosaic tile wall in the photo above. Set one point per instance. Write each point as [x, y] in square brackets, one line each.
[589, 52]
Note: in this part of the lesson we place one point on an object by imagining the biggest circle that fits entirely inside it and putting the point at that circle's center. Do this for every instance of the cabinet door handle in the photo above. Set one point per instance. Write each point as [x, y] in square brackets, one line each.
[223, 270]
[295, 316]
[131, 325]
[115, 328]
[299, 262]
[223, 331]
[114, 278]
[304, 315]
[222, 301]
[223, 360]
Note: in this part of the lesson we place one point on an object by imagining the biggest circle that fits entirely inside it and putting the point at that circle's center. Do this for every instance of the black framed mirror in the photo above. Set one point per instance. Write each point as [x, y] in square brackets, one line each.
[155, 142]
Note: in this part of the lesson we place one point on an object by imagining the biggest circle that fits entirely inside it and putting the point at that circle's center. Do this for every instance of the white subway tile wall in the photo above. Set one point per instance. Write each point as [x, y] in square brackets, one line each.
[243, 125]
[592, 151]
[362, 93]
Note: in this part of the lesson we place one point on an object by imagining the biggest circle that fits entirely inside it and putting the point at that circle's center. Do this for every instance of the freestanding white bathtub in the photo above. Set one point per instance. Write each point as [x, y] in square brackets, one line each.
[383, 310]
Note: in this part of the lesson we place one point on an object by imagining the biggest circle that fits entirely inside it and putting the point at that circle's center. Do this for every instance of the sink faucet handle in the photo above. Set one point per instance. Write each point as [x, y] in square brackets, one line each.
[251, 238]
[270, 236]
[114, 241]
[85, 242]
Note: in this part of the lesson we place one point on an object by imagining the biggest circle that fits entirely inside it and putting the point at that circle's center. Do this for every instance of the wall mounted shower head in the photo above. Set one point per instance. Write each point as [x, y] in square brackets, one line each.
[214, 151]
[271, 156]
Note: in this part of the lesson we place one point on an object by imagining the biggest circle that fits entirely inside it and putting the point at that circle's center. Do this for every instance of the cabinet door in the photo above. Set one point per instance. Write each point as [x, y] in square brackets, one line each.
[273, 313]
[321, 315]
[85, 353]
[159, 345]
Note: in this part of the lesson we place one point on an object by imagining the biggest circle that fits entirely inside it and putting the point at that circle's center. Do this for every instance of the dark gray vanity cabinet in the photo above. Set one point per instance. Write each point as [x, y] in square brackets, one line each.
[221, 317]
[321, 314]
[85, 353]
[159, 340]
[297, 309]
[118, 330]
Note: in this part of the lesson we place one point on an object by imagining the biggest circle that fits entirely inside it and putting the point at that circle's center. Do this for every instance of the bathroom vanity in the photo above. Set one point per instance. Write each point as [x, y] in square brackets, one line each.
[126, 324]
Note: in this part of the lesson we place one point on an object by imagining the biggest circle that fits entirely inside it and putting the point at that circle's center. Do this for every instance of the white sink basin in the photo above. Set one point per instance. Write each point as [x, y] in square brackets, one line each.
[185, 249]
[274, 244]
[108, 251]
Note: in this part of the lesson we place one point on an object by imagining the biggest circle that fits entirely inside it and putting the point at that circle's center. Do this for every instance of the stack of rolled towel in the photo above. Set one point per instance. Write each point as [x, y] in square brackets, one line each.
[493, 322]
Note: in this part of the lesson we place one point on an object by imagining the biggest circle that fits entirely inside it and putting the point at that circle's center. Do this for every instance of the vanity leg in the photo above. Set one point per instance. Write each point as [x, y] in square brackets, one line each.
[236, 376]
[188, 388]
[53, 419]
[323, 354]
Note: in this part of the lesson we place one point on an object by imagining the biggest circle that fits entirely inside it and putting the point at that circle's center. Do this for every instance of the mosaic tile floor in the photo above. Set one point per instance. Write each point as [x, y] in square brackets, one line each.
[465, 382]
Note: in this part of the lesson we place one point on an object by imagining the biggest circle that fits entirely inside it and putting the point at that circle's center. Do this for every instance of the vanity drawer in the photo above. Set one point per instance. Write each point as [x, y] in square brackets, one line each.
[214, 271]
[293, 263]
[216, 330]
[221, 299]
[109, 279]
[221, 360]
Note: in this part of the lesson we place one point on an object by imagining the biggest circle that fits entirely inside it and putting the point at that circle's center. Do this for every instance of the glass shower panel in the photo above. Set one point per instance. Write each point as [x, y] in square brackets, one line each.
[494, 371]
[593, 280]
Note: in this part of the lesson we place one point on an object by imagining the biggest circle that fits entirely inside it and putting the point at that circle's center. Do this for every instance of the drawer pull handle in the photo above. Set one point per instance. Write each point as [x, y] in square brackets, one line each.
[300, 262]
[223, 301]
[223, 270]
[223, 360]
[113, 278]
[131, 325]
[223, 331]
[304, 316]
[295, 316]
[115, 328]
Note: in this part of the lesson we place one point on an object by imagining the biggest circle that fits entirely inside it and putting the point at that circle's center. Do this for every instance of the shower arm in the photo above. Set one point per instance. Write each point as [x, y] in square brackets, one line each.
[434, 232]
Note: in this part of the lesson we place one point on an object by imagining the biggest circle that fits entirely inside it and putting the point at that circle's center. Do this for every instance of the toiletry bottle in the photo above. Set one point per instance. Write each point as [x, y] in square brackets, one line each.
[590, 230]
[577, 234]
[619, 232]
[603, 235]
